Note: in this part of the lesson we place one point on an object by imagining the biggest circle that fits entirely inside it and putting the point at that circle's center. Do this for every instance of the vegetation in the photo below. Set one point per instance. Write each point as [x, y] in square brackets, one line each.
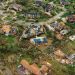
[71, 69]
[24, 49]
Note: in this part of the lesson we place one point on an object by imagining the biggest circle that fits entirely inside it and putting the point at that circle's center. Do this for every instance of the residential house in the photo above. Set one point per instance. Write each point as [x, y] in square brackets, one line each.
[59, 53]
[27, 69]
[48, 7]
[56, 25]
[23, 68]
[39, 40]
[64, 20]
[72, 57]
[59, 28]
[59, 36]
[66, 61]
[64, 2]
[33, 30]
[61, 57]
[32, 15]
[44, 69]
[16, 7]
[6, 29]
[64, 31]
[71, 18]
[38, 2]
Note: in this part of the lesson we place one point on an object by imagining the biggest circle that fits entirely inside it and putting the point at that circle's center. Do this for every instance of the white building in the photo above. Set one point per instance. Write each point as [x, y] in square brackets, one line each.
[72, 38]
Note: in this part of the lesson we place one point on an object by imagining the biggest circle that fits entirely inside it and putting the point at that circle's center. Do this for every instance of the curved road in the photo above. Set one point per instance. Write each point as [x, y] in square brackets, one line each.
[23, 23]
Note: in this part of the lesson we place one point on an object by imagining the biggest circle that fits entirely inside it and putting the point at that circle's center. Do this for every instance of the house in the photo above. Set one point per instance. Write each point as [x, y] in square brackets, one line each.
[38, 2]
[72, 37]
[66, 61]
[31, 68]
[56, 25]
[64, 2]
[64, 20]
[61, 57]
[39, 40]
[27, 69]
[33, 30]
[23, 68]
[59, 28]
[45, 68]
[59, 53]
[35, 69]
[16, 7]
[62, 23]
[64, 31]
[71, 18]
[48, 7]
[72, 57]
[32, 15]
[6, 29]
[59, 36]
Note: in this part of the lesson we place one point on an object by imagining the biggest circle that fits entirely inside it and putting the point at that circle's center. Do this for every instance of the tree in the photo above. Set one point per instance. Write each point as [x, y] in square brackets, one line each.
[71, 69]
[24, 2]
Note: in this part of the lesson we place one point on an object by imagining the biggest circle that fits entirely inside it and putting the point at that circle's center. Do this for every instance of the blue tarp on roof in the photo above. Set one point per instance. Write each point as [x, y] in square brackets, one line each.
[40, 40]
[45, 40]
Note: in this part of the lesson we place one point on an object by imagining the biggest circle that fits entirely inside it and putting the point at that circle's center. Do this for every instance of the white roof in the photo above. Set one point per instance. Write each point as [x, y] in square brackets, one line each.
[38, 38]
[63, 32]
[72, 37]
[38, 0]
[50, 28]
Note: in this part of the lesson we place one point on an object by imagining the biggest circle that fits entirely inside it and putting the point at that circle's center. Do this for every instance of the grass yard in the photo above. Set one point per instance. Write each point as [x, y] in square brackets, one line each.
[69, 48]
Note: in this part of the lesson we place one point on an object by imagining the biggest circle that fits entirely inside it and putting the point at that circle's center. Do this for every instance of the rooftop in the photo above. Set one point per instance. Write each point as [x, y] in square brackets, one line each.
[6, 28]
[42, 44]
[71, 18]
[33, 68]
[59, 53]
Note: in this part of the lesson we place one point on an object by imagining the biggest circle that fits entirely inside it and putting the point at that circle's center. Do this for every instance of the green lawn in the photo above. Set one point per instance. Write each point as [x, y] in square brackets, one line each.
[69, 47]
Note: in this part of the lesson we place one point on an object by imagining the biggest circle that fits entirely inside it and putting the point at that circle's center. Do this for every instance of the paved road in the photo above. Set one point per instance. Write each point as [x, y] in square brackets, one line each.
[23, 23]
[55, 18]
[20, 22]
